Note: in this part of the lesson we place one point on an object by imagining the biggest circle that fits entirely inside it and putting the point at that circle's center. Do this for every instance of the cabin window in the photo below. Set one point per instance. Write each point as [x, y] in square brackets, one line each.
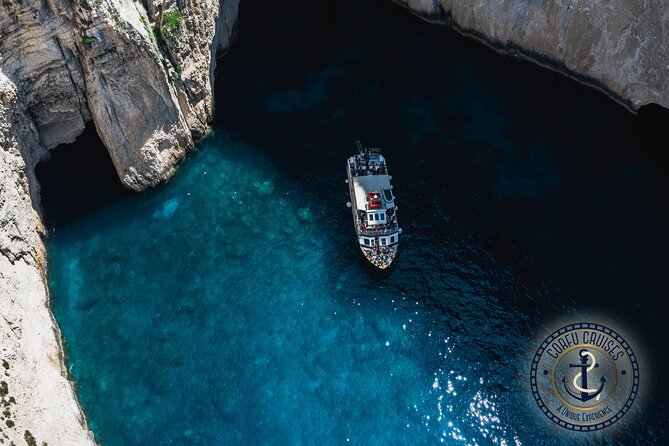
[392, 239]
[383, 217]
[383, 241]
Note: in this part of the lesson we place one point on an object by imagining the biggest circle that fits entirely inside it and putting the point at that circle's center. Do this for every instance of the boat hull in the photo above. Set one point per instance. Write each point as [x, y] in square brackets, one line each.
[379, 256]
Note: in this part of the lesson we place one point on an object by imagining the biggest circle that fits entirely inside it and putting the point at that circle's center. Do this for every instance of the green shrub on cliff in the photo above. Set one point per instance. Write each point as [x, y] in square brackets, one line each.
[172, 20]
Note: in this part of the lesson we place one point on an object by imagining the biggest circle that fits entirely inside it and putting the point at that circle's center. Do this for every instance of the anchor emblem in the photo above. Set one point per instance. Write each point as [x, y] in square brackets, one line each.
[585, 394]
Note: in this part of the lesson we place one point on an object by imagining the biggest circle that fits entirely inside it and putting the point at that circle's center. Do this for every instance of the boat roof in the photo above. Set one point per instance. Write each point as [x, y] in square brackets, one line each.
[366, 184]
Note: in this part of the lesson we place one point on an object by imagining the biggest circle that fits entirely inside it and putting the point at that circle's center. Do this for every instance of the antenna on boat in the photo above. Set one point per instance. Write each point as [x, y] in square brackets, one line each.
[359, 144]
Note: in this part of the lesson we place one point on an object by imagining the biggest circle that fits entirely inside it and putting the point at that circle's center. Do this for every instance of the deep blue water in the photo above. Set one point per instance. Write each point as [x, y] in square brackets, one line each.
[232, 306]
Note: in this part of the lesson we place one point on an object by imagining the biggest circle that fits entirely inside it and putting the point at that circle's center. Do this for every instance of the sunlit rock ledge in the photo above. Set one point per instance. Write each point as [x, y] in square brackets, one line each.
[619, 47]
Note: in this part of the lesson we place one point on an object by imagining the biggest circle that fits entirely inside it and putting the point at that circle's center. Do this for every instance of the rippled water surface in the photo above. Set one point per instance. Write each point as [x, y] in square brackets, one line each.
[232, 306]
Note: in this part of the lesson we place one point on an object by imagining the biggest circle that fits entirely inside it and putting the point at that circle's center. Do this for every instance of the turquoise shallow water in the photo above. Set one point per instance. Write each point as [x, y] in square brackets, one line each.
[225, 308]
[232, 306]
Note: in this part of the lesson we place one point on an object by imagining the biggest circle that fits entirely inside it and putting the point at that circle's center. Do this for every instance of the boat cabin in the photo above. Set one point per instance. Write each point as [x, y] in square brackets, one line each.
[375, 218]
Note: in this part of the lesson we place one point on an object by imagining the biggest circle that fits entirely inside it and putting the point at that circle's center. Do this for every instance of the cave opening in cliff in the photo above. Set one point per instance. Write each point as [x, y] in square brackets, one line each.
[77, 179]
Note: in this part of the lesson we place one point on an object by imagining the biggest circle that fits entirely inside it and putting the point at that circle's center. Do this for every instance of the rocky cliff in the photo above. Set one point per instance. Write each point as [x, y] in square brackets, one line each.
[142, 72]
[37, 399]
[617, 46]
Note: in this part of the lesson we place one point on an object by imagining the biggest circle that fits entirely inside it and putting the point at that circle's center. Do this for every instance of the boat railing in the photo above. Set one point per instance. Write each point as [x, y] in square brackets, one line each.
[361, 165]
[358, 171]
[375, 232]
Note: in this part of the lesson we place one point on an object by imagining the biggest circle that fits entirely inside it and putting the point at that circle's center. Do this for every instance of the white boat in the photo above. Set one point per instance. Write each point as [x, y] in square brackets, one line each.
[373, 206]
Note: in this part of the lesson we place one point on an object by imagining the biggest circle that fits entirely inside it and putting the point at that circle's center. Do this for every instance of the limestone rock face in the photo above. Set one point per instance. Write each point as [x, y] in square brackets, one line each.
[132, 94]
[618, 46]
[146, 83]
[36, 54]
[192, 47]
[38, 400]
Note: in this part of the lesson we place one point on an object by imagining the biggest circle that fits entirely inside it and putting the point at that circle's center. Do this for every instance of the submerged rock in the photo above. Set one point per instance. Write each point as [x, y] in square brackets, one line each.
[304, 214]
[264, 188]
